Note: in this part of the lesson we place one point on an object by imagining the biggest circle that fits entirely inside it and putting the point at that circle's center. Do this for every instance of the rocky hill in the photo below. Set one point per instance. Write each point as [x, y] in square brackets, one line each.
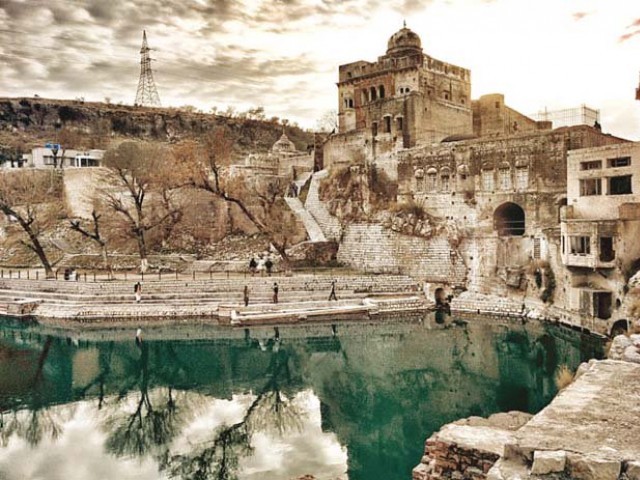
[29, 122]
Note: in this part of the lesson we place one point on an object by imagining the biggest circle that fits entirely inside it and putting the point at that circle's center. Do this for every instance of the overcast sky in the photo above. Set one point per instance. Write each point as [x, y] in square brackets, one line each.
[284, 54]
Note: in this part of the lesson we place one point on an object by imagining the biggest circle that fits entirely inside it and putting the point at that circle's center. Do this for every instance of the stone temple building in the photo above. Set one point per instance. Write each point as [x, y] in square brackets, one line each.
[496, 178]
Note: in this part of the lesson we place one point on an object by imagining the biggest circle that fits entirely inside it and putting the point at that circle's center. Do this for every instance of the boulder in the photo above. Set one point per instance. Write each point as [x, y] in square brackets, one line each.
[545, 462]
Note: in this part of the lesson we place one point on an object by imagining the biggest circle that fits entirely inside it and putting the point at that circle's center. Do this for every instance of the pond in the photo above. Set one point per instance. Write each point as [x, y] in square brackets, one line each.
[352, 401]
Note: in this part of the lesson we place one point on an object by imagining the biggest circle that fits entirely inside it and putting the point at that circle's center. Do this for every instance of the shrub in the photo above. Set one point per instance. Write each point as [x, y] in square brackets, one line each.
[563, 377]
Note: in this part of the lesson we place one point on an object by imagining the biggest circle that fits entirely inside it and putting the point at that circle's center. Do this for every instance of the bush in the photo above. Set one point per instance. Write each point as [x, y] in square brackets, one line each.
[563, 377]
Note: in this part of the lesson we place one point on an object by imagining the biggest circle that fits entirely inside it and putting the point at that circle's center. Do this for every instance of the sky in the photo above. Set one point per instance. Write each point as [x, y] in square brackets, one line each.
[284, 55]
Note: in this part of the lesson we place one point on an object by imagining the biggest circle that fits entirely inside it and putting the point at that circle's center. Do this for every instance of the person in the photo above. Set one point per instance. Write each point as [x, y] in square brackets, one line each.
[260, 266]
[275, 292]
[268, 265]
[139, 337]
[332, 295]
[246, 295]
[137, 289]
[252, 266]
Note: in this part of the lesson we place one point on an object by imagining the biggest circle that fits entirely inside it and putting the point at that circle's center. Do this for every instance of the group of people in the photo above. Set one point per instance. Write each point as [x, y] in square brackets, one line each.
[276, 290]
[261, 265]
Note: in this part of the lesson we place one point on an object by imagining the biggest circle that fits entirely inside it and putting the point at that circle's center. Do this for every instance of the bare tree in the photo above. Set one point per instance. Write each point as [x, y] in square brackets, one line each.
[205, 166]
[141, 190]
[328, 122]
[26, 197]
[94, 233]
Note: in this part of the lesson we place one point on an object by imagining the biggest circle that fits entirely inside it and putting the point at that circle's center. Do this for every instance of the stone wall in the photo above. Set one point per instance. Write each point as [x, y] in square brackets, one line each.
[373, 248]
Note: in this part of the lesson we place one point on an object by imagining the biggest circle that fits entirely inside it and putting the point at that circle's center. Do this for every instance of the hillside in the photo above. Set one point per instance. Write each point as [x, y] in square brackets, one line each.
[30, 122]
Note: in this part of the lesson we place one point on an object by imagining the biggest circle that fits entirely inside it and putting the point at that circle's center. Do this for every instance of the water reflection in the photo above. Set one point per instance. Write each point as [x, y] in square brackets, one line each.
[270, 406]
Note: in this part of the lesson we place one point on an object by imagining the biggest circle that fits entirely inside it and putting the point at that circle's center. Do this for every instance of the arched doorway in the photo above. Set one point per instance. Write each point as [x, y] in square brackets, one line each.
[508, 220]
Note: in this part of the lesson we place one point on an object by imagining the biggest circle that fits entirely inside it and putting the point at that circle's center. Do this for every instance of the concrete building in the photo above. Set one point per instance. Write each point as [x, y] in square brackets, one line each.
[43, 157]
[600, 229]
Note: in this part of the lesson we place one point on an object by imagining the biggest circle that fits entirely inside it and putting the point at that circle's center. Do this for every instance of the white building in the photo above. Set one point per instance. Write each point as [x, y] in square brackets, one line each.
[600, 228]
[43, 157]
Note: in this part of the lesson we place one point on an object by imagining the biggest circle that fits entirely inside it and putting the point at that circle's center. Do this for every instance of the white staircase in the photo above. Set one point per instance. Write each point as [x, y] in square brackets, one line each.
[329, 224]
[313, 229]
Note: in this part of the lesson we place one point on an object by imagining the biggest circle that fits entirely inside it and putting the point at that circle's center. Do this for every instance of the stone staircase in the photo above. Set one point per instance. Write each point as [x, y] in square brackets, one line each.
[313, 229]
[329, 224]
[185, 298]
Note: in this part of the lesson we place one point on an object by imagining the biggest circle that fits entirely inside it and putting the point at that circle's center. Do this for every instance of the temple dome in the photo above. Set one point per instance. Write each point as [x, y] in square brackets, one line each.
[283, 145]
[404, 42]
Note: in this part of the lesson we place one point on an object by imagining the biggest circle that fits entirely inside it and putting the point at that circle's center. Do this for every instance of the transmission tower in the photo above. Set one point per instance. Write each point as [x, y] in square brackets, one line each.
[147, 94]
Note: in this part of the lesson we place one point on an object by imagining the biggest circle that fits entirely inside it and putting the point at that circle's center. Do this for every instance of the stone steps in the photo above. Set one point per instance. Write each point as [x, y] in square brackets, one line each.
[311, 226]
[329, 224]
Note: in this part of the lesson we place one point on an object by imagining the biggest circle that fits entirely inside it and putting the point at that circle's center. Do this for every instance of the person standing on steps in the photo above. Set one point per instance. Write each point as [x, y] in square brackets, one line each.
[246, 295]
[332, 295]
[252, 266]
[137, 289]
[275, 292]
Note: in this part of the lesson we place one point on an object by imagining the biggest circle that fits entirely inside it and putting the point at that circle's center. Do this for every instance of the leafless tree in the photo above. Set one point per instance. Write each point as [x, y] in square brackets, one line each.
[26, 197]
[141, 190]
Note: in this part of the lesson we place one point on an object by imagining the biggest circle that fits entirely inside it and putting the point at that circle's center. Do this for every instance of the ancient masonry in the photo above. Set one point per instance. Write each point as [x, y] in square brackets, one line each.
[520, 200]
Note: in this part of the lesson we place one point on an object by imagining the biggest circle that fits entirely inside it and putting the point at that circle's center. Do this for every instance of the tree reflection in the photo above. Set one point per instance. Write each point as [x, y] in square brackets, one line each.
[155, 420]
[33, 422]
[218, 458]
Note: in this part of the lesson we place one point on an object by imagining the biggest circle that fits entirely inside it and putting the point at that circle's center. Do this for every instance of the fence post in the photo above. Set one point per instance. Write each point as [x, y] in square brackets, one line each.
[85, 277]
[94, 276]
[28, 275]
[37, 274]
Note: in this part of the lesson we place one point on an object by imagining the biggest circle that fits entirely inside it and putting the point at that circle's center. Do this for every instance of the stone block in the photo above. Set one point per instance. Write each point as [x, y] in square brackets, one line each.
[545, 462]
[633, 470]
[631, 354]
[587, 467]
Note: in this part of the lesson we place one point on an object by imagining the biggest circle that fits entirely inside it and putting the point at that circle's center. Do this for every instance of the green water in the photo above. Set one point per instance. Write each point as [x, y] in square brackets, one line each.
[206, 402]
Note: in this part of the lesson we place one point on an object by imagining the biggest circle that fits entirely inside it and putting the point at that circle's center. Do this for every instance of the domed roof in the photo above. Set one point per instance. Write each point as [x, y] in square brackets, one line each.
[283, 144]
[404, 42]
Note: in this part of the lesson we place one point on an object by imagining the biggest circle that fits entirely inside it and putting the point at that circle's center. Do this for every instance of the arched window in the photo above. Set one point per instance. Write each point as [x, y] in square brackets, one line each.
[445, 179]
[351, 103]
[432, 179]
[504, 176]
[387, 124]
[420, 180]
[373, 94]
[399, 125]
[381, 91]
[508, 220]
[463, 172]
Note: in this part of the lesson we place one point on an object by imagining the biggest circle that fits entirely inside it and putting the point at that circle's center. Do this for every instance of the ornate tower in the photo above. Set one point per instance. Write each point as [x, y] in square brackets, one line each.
[147, 94]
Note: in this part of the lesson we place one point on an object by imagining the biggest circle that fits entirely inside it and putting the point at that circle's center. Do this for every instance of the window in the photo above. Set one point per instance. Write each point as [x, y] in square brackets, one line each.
[590, 186]
[445, 176]
[487, 180]
[620, 185]
[504, 178]
[399, 125]
[387, 124]
[522, 178]
[373, 94]
[580, 245]
[446, 96]
[374, 129]
[607, 253]
[431, 180]
[381, 91]
[593, 165]
[619, 162]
